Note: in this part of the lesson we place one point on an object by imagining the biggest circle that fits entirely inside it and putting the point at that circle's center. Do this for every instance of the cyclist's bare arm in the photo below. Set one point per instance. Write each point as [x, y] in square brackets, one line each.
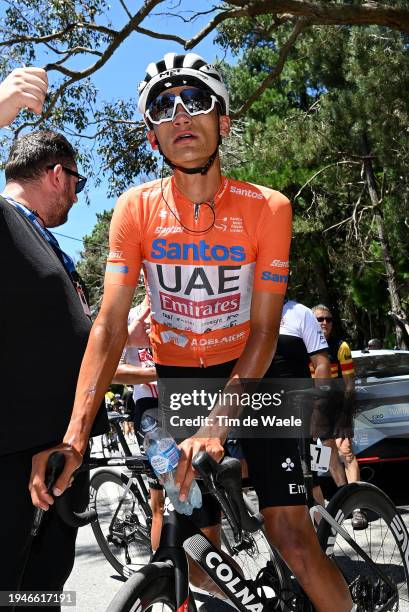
[107, 338]
[127, 374]
[322, 366]
[253, 363]
[349, 383]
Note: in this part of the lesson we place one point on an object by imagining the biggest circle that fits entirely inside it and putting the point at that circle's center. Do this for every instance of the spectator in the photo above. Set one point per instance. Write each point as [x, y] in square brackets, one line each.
[342, 367]
[137, 367]
[44, 313]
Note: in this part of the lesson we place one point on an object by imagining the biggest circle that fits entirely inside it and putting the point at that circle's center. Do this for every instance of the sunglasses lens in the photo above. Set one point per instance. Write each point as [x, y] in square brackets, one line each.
[196, 101]
[80, 185]
[162, 107]
[322, 319]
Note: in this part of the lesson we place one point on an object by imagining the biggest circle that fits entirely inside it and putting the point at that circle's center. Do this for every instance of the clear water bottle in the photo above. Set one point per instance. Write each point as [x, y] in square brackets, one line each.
[163, 455]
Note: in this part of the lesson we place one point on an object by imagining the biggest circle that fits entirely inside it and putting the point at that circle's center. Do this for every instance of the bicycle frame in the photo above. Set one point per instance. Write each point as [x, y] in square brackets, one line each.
[181, 537]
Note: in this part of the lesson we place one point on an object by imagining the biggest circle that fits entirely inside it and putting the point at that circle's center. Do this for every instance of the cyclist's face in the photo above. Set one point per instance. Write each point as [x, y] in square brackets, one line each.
[187, 139]
[325, 321]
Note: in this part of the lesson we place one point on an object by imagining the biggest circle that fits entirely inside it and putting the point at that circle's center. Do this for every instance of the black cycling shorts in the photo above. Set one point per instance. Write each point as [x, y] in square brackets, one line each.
[274, 464]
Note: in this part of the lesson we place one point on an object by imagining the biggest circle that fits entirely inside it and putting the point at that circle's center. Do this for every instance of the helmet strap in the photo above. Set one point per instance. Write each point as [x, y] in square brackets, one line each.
[198, 169]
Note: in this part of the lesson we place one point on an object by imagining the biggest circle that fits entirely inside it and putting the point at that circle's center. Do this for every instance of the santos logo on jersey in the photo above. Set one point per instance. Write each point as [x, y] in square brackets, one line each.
[202, 251]
[275, 278]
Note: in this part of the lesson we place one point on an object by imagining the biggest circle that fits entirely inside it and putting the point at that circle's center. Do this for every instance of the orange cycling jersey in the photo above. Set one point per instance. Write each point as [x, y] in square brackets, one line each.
[200, 284]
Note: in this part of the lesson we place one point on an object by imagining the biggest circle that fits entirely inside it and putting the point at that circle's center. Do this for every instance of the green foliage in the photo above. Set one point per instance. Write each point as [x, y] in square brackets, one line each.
[91, 267]
[337, 85]
[93, 259]
[109, 135]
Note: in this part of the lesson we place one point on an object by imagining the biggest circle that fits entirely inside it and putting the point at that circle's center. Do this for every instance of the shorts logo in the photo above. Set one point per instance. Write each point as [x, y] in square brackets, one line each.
[168, 507]
[288, 465]
[295, 488]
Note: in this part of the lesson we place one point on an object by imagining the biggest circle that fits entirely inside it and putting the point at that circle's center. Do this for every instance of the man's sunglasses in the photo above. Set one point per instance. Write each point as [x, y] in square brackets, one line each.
[322, 319]
[81, 179]
[194, 101]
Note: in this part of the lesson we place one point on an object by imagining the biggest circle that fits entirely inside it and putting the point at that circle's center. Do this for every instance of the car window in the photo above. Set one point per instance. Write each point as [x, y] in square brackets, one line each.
[381, 366]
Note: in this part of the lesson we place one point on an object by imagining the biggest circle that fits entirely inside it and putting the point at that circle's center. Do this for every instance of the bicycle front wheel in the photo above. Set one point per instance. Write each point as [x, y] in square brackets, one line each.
[256, 559]
[122, 527]
[385, 541]
[151, 589]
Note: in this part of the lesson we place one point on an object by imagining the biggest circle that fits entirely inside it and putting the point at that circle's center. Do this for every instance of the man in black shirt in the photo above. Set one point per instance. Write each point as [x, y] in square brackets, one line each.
[45, 327]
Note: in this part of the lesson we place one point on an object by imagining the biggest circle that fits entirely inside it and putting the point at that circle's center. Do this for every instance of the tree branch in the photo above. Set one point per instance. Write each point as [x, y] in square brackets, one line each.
[75, 76]
[213, 23]
[330, 13]
[300, 25]
[320, 172]
[38, 39]
[125, 8]
[161, 36]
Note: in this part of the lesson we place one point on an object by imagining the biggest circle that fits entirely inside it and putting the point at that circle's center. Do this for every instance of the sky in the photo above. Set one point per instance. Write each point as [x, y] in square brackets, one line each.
[119, 78]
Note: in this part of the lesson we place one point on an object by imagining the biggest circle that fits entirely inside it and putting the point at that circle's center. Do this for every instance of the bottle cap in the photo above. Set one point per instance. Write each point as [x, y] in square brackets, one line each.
[148, 423]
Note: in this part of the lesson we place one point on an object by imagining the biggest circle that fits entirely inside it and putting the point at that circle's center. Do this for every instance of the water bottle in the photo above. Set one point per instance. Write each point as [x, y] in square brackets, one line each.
[163, 455]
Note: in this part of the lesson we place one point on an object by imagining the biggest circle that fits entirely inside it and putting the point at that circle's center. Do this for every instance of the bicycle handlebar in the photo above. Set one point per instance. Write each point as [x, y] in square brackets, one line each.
[55, 466]
[224, 481]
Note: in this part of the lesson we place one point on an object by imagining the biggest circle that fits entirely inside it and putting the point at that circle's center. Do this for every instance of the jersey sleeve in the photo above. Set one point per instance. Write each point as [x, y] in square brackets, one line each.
[345, 359]
[312, 334]
[124, 259]
[273, 246]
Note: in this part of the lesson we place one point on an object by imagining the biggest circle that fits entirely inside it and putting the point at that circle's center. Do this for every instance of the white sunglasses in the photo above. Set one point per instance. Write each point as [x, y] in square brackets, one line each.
[194, 101]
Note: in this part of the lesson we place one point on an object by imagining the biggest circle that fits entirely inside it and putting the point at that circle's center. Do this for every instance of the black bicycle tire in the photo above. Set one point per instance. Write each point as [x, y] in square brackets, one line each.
[155, 583]
[365, 496]
[98, 479]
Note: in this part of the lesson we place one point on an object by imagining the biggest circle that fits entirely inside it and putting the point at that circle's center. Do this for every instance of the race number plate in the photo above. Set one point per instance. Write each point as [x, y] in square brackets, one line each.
[320, 457]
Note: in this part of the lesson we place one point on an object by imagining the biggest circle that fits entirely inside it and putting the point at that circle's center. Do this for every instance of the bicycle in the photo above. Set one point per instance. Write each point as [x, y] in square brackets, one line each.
[124, 518]
[377, 578]
[123, 513]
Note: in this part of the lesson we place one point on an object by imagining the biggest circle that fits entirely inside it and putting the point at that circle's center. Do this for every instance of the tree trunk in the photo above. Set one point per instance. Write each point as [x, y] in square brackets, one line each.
[397, 312]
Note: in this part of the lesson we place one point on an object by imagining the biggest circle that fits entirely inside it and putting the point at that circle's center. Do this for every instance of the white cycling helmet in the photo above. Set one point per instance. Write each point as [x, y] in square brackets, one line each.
[175, 70]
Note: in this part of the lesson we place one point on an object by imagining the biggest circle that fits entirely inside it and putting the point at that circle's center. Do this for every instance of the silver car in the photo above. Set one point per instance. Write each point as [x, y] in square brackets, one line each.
[382, 406]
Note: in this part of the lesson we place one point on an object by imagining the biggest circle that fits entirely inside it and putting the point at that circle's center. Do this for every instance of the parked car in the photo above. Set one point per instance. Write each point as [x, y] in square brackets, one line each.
[382, 406]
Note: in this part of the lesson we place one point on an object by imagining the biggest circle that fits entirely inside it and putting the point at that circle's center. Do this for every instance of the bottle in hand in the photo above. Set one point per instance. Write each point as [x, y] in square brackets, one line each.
[163, 455]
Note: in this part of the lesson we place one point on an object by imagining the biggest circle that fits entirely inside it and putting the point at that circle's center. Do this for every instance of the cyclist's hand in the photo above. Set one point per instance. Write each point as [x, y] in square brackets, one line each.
[185, 473]
[23, 88]
[138, 333]
[39, 495]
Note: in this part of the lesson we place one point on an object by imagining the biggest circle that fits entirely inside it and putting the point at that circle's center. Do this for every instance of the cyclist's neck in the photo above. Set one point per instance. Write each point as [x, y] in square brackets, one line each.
[198, 187]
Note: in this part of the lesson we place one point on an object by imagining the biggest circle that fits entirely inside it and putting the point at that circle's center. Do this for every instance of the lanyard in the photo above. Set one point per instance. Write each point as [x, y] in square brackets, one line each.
[65, 259]
[52, 240]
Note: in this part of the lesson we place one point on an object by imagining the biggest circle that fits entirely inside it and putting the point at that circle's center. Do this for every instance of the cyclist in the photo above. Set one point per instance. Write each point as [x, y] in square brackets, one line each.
[342, 367]
[136, 367]
[301, 342]
[215, 255]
